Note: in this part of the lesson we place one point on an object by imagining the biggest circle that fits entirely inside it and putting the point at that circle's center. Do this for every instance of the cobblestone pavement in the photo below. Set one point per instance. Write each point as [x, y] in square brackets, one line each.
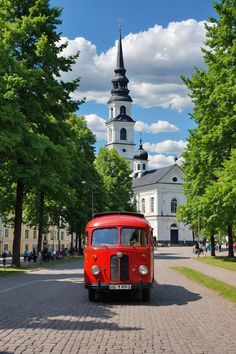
[47, 311]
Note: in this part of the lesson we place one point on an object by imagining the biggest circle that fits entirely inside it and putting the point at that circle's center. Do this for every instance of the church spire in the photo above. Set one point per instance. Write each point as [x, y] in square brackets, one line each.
[120, 60]
[120, 90]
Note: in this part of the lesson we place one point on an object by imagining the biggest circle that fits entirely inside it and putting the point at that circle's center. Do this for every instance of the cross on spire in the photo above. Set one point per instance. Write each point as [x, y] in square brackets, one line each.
[140, 139]
[119, 23]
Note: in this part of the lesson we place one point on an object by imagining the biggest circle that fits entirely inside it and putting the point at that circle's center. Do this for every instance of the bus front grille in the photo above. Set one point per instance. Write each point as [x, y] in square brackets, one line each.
[119, 268]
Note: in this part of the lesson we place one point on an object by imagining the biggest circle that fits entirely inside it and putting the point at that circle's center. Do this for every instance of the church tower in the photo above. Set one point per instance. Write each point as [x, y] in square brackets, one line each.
[120, 126]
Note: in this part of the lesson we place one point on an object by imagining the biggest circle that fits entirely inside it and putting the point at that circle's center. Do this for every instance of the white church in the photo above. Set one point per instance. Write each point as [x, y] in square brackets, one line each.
[157, 192]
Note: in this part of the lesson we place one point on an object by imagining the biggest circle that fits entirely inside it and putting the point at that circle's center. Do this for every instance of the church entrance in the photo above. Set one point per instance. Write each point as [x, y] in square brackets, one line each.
[174, 234]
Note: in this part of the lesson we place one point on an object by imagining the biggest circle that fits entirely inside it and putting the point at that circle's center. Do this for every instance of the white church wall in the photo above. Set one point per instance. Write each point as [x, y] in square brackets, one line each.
[164, 230]
[161, 217]
[165, 195]
[114, 110]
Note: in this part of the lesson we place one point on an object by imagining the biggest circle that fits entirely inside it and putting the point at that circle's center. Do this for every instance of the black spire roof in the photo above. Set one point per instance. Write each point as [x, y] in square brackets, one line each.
[120, 90]
[141, 154]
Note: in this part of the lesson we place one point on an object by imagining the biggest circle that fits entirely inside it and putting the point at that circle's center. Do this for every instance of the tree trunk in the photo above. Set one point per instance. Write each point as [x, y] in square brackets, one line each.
[18, 222]
[213, 249]
[41, 221]
[80, 240]
[230, 240]
[72, 240]
[76, 238]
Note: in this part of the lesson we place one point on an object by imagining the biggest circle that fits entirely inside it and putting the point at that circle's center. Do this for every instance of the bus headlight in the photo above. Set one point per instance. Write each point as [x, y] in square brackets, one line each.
[143, 270]
[95, 270]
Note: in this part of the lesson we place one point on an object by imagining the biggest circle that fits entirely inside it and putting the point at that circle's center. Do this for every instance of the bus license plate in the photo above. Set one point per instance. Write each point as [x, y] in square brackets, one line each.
[120, 287]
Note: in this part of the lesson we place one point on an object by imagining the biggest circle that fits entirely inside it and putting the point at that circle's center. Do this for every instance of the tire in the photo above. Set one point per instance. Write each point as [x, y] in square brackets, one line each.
[146, 294]
[91, 294]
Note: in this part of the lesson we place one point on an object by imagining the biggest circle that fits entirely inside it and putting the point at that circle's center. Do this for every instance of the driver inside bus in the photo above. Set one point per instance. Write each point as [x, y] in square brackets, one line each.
[133, 240]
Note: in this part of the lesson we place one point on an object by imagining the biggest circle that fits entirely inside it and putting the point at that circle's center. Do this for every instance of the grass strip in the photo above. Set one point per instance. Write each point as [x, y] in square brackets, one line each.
[225, 290]
[10, 271]
[31, 266]
[219, 261]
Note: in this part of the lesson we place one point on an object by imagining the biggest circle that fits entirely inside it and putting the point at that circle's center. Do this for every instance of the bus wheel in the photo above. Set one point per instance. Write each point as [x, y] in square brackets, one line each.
[91, 294]
[146, 294]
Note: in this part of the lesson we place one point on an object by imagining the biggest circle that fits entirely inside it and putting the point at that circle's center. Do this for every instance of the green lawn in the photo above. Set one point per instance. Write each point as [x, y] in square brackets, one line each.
[10, 271]
[220, 261]
[28, 266]
[226, 291]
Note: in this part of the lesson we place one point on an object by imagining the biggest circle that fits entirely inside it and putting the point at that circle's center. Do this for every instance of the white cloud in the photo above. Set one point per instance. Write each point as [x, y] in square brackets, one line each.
[159, 160]
[166, 146]
[161, 126]
[154, 60]
[97, 125]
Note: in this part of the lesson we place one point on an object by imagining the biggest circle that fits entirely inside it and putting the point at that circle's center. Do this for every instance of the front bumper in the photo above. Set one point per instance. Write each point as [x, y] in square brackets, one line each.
[106, 286]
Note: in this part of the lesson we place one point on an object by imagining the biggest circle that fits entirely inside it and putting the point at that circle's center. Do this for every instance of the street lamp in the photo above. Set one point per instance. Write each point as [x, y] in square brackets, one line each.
[92, 196]
[59, 227]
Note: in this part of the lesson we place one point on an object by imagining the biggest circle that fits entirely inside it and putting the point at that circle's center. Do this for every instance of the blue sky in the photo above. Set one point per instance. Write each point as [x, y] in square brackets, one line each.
[161, 41]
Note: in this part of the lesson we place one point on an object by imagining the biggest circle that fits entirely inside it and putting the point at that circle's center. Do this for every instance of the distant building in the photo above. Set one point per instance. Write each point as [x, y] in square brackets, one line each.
[54, 239]
[158, 192]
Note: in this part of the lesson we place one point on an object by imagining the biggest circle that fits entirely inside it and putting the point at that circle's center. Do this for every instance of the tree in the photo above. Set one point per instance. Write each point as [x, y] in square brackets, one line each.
[83, 176]
[32, 94]
[115, 172]
[213, 92]
[220, 198]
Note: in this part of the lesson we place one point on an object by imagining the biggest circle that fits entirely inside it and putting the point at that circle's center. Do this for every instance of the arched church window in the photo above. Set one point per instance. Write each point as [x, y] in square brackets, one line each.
[111, 112]
[174, 205]
[144, 166]
[122, 110]
[143, 205]
[139, 167]
[123, 134]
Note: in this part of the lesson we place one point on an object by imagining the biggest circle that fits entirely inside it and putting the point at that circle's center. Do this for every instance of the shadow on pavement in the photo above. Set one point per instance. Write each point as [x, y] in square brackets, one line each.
[59, 301]
[169, 256]
[168, 295]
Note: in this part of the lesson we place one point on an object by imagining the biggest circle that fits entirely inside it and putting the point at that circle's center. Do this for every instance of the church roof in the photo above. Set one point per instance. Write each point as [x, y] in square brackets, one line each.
[122, 118]
[152, 176]
[141, 154]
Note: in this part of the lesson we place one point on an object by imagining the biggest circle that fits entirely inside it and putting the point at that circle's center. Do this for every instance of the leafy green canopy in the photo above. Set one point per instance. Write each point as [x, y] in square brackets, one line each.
[213, 92]
[34, 146]
[115, 172]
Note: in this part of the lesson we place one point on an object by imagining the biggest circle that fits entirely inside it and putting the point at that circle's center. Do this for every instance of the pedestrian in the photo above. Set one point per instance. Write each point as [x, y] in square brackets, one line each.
[34, 256]
[155, 243]
[198, 249]
[25, 255]
[4, 261]
[206, 248]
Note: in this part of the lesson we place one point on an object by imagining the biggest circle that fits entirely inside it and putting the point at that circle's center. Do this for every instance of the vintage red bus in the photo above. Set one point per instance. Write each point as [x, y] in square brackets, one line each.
[118, 254]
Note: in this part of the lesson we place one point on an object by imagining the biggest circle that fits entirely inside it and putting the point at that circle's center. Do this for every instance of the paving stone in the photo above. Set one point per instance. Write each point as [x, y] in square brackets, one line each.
[47, 311]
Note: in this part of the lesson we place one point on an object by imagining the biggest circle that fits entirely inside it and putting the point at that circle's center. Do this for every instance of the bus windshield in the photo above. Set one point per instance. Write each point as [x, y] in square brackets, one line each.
[133, 237]
[105, 237]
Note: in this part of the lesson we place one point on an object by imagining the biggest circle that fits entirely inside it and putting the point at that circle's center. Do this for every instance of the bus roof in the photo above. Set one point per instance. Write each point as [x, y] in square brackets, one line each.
[118, 219]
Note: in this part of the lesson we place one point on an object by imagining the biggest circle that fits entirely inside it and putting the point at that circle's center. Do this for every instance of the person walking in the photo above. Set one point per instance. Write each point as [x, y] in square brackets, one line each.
[4, 260]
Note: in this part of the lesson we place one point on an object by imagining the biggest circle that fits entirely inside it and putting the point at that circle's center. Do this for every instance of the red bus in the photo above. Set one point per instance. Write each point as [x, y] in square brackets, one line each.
[118, 254]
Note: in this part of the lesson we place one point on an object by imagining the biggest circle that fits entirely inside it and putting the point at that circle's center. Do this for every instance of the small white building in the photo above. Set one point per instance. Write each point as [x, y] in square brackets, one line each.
[157, 192]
